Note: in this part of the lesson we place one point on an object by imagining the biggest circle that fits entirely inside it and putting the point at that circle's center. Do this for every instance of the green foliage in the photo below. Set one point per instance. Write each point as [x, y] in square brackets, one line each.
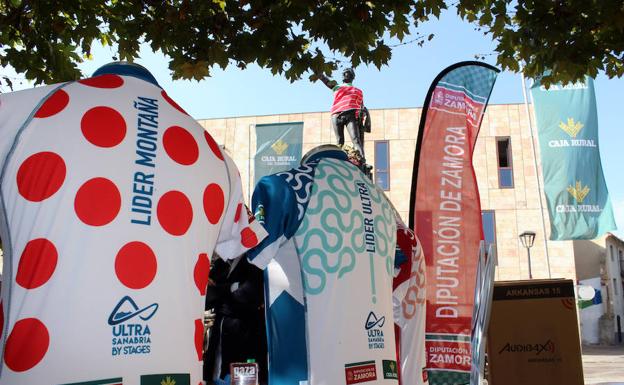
[570, 38]
[45, 40]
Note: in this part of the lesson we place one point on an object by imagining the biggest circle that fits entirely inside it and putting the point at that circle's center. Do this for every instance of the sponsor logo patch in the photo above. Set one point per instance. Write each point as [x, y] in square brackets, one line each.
[390, 370]
[166, 379]
[108, 381]
[244, 373]
[536, 348]
[372, 321]
[360, 372]
[131, 333]
[374, 331]
[127, 309]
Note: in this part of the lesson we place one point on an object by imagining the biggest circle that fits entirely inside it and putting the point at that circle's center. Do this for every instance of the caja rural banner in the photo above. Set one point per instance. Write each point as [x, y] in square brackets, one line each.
[446, 213]
[575, 188]
[278, 148]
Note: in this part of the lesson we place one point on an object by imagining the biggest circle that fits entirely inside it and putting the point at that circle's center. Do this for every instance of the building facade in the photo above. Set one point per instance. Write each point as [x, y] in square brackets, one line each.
[600, 264]
[504, 162]
[612, 277]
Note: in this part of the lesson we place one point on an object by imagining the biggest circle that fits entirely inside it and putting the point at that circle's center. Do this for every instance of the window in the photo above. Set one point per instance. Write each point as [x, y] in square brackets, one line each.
[505, 166]
[611, 253]
[489, 227]
[615, 288]
[382, 164]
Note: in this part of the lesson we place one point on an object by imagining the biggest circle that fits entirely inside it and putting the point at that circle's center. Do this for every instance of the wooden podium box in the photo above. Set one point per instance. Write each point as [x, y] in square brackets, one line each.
[533, 336]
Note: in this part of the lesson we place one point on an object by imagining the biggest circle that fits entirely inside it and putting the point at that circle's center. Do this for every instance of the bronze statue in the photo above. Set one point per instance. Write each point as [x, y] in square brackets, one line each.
[348, 110]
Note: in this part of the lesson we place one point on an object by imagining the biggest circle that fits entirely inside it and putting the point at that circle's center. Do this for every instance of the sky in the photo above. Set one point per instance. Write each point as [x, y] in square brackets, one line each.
[402, 83]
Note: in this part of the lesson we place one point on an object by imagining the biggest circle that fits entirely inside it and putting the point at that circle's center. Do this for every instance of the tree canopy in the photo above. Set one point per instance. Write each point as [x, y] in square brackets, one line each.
[46, 39]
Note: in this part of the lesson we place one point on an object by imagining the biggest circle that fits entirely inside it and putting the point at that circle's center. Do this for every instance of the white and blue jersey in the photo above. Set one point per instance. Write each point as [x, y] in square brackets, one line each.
[329, 260]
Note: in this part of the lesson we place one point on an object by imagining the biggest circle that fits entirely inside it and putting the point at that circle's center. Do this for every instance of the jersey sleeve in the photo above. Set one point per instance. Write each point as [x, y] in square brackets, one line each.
[239, 231]
[399, 257]
[15, 110]
[409, 281]
[409, 307]
[274, 205]
[405, 241]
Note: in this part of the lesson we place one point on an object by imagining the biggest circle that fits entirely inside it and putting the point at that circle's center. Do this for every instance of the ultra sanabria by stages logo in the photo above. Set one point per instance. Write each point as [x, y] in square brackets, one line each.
[131, 333]
[374, 331]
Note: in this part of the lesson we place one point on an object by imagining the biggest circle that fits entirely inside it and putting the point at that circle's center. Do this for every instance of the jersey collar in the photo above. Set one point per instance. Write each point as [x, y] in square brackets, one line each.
[127, 69]
[333, 154]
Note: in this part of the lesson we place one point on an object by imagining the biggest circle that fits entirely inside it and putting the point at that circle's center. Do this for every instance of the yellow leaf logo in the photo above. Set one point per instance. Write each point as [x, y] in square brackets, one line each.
[279, 147]
[167, 381]
[572, 128]
[578, 192]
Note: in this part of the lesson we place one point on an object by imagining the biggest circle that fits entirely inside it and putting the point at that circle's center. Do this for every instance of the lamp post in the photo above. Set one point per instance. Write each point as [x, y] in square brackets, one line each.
[527, 238]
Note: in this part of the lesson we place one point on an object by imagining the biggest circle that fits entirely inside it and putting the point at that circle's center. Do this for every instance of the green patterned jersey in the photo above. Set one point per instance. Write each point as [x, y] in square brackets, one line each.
[329, 261]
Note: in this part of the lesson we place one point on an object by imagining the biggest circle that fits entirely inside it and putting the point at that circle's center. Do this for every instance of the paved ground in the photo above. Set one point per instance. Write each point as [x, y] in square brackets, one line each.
[603, 365]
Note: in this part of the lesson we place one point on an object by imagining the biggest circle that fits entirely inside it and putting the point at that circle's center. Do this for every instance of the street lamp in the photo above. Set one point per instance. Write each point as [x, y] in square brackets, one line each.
[527, 238]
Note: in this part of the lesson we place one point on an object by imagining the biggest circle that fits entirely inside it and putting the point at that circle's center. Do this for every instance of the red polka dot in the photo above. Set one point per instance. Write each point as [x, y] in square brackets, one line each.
[53, 105]
[136, 265]
[202, 269]
[175, 212]
[26, 345]
[213, 145]
[36, 264]
[199, 338]
[180, 145]
[40, 176]
[172, 102]
[239, 208]
[248, 238]
[103, 81]
[103, 126]
[214, 203]
[97, 202]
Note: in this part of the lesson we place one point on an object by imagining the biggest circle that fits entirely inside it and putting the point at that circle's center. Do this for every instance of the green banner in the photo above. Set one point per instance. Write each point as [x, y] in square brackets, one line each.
[278, 148]
[575, 188]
